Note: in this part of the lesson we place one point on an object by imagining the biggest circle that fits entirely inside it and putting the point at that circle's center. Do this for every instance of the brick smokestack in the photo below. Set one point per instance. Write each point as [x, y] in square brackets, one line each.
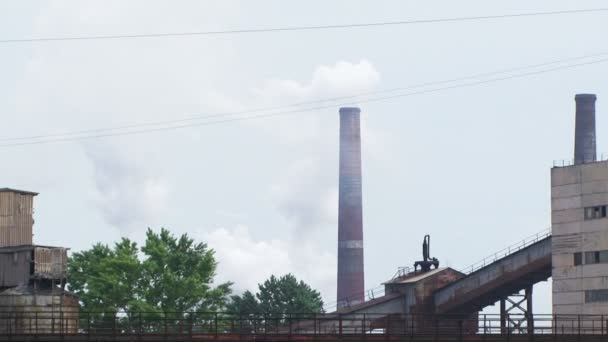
[350, 213]
[584, 135]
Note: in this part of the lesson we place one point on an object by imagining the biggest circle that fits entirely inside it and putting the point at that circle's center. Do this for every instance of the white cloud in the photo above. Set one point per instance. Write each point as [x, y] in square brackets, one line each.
[343, 78]
[340, 79]
[247, 261]
[307, 194]
[128, 195]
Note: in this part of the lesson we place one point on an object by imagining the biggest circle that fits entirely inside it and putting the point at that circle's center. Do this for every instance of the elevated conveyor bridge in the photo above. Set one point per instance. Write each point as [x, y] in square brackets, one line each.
[491, 280]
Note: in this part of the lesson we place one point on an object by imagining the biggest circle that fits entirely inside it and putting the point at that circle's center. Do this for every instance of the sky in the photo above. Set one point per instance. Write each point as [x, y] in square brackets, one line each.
[467, 165]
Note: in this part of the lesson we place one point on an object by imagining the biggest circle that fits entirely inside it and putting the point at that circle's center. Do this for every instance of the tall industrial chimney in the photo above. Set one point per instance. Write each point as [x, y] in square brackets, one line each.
[584, 135]
[350, 213]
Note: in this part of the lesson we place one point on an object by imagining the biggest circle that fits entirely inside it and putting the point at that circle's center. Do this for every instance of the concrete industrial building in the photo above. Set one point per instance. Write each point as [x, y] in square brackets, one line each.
[579, 200]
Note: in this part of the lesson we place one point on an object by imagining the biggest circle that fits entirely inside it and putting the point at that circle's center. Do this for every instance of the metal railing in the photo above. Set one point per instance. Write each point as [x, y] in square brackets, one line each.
[353, 300]
[570, 162]
[402, 272]
[507, 251]
[297, 326]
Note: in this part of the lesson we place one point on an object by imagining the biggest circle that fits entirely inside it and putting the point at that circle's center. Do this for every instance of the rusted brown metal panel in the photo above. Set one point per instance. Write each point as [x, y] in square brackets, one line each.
[17, 266]
[14, 268]
[16, 217]
[50, 262]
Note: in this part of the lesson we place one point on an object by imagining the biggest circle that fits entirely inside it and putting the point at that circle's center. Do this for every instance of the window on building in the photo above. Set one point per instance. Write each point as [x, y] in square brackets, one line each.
[596, 212]
[578, 258]
[603, 257]
[594, 296]
[592, 257]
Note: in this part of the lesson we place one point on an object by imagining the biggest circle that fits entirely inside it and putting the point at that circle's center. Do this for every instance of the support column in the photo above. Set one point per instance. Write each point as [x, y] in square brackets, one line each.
[503, 317]
[529, 312]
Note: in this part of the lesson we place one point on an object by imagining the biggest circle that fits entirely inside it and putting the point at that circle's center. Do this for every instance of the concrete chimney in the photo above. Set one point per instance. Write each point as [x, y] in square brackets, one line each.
[351, 285]
[584, 135]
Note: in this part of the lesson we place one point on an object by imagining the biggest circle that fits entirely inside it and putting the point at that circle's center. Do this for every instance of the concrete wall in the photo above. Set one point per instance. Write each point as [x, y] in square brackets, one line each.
[572, 189]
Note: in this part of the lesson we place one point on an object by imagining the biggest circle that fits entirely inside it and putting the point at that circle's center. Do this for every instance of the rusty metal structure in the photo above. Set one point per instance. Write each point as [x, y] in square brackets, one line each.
[351, 275]
[226, 326]
[16, 220]
[427, 262]
[32, 277]
[445, 292]
[22, 264]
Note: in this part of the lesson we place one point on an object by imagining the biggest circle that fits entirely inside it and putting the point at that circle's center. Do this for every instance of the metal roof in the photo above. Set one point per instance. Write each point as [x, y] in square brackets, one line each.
[22, 192]
[11, 249]
[415, 277]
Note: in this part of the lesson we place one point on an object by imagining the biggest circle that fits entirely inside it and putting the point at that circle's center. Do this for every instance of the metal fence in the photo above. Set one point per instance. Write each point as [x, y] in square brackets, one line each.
[239, 326]
[569, 162]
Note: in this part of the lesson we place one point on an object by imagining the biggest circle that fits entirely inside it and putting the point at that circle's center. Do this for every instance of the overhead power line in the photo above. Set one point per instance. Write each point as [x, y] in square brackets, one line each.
[303, 28]
[281, 113]
[297, 104]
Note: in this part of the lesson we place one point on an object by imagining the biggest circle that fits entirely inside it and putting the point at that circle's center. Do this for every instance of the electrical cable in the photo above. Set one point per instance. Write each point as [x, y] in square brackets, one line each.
[301, 28]
[297, 104]
[251, 117]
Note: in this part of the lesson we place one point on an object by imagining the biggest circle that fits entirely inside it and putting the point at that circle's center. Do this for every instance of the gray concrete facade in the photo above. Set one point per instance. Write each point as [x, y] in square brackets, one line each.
[579, 196]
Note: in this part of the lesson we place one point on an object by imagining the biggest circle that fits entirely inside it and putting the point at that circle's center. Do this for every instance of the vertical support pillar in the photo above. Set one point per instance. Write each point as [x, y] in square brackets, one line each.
[363, 326]
[529, 312]
[289, 336]
[216, 326]
[503, 316]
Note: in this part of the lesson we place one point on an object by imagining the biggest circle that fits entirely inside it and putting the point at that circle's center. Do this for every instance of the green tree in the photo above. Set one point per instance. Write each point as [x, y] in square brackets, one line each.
[245, 303]
[107, 280]
[175, 275]
[178, 274]
[278, 297]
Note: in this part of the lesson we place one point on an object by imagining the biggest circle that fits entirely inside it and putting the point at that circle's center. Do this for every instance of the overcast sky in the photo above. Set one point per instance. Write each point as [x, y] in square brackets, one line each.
[468, 165]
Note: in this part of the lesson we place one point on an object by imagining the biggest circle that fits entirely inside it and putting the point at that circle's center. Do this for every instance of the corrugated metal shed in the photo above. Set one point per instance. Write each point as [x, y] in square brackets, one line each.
[50, 262]
[16, 217]
[14, 267]
[19, 265]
